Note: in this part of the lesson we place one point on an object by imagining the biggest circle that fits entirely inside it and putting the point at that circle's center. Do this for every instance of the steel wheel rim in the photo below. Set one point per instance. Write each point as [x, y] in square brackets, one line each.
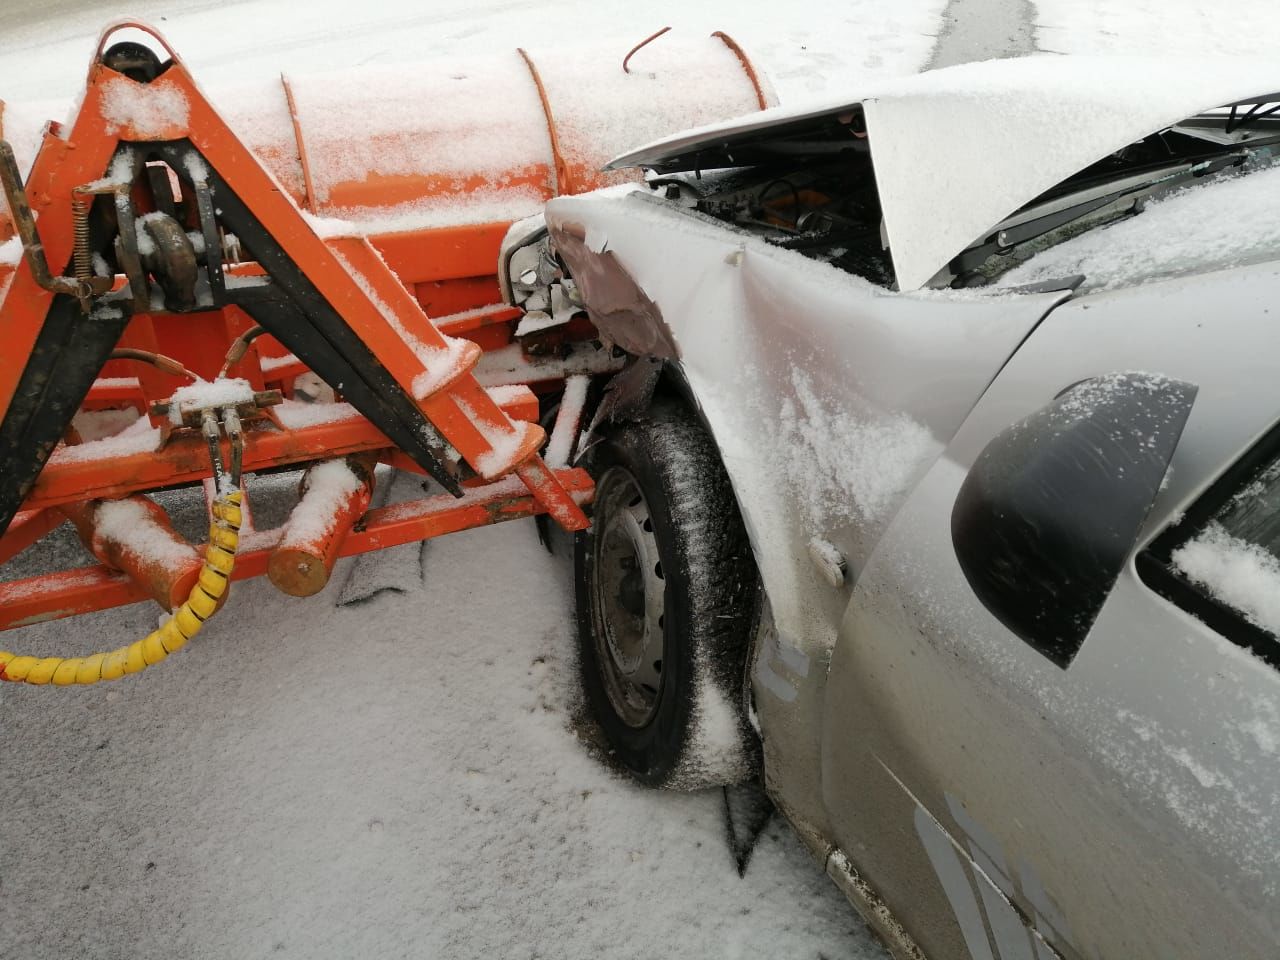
[627, 599]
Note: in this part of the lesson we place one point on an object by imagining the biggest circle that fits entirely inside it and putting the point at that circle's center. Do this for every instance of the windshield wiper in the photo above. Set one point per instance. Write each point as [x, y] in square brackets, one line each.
[1035, 222]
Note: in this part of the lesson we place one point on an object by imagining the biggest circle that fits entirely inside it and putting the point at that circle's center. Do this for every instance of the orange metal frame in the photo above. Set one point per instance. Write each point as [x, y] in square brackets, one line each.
[499, 440]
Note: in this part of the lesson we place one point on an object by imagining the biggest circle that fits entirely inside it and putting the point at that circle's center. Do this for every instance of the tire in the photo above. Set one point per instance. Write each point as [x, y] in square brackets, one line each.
[667, 593]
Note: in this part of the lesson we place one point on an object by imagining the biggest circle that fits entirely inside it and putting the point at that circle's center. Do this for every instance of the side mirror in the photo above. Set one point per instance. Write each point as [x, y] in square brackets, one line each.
[1051, 509]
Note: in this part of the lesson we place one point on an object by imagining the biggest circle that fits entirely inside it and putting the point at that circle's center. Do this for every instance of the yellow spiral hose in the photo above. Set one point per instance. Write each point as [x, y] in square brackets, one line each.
[215, 576]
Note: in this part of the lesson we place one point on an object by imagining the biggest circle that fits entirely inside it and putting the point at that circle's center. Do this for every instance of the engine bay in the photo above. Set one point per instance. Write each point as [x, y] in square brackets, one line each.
[812, 190]
[826, 211]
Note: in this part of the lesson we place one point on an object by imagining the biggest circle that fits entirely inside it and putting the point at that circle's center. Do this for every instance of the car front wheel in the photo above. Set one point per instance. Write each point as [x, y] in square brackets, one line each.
[666, 596]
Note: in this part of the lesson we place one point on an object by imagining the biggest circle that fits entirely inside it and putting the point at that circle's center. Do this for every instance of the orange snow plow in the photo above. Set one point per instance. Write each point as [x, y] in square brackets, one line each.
[170, 274]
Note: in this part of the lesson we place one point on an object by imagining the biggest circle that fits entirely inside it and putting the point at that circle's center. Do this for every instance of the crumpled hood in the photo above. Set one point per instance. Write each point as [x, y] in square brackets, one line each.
[957, 150]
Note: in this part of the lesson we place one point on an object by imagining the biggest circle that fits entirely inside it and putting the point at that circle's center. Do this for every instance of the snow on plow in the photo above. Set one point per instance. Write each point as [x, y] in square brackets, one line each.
[168, 272]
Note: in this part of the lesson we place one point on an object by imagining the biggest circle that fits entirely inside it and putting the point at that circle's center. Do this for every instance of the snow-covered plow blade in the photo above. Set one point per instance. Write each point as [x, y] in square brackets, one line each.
[171, 271]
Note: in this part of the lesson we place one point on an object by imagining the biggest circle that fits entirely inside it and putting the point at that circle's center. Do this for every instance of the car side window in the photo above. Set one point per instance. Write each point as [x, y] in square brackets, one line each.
[1222, 561]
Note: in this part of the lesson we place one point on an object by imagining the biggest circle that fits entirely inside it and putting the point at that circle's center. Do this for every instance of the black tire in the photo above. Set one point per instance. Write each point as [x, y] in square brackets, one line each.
[679, 722]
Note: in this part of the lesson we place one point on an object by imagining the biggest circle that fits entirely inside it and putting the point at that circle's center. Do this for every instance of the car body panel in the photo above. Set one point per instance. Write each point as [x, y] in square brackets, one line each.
[1001, 806]
[786, 358]
[958, 150]
[1130, 802]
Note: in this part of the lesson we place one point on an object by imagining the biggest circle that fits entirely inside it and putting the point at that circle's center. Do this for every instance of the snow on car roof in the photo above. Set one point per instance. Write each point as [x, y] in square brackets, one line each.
[957, 150]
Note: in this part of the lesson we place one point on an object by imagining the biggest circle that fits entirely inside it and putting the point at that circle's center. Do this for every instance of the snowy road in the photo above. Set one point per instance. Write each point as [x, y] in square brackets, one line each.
[399, 778]
[403, 778]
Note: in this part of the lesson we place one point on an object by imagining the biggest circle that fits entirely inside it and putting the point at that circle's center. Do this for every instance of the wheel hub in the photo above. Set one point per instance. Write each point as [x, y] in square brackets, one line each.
[627, 598]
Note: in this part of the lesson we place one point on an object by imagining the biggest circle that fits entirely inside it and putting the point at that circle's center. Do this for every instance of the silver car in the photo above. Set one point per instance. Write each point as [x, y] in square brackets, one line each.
[942, 486]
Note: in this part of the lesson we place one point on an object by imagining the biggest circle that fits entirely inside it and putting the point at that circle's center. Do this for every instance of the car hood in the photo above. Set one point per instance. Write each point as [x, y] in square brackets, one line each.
[958, 150]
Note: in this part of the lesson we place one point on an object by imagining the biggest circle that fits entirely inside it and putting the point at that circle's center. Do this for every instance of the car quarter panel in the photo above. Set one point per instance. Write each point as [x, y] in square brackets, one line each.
[828, 398]
[1130, 803]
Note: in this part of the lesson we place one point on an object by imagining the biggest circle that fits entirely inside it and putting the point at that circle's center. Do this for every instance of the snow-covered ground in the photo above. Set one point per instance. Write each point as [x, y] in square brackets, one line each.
[823, 47]
[393, 779]
[405, 777]
[1180, 28]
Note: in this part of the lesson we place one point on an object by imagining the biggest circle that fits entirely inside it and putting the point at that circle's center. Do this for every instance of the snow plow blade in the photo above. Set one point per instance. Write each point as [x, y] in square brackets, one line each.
[166, 284]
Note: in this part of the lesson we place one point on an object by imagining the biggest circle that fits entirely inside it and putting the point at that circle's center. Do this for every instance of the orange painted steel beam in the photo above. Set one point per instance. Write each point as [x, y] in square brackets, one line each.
[477, 319]
[185, 458]
[441, 514]
[442, 253]
[25, 529]
[70, 593]
[166, 581]
[347, 272]
[114, 393]
[303, 560]
[54, 596]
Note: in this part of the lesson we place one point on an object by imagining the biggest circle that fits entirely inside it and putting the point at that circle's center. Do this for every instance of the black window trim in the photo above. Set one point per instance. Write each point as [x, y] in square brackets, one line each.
[1155, 563]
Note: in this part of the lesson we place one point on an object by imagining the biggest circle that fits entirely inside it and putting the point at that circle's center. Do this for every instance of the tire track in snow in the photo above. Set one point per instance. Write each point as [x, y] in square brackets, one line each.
[984, 30]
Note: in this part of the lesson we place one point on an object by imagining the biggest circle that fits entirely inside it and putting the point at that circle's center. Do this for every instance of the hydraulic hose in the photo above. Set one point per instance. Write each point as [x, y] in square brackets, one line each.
[200, 605]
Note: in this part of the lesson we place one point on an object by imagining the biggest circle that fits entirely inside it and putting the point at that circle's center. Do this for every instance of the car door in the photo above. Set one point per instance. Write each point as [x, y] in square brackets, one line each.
[1124, 800]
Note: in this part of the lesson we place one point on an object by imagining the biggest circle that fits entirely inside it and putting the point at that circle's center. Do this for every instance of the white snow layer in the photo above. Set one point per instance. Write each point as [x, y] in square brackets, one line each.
[568, 421]
[1014, 129]
[1209, 226]
[835, 45]
[22, 124]
[1241, 28]
[504, 438]
[295, 414]
[401, 778]
[1242, 575]
[143, 109]
[134, 528]
[138, 437]
[11, 252]
[329, 486]
[843, 465]
[226, 391]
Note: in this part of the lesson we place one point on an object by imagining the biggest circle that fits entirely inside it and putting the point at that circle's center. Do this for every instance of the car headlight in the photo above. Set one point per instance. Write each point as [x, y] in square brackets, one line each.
[526, 263]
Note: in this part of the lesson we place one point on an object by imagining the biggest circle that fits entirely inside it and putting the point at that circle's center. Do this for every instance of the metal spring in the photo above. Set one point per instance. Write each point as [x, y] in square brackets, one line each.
[80, 220]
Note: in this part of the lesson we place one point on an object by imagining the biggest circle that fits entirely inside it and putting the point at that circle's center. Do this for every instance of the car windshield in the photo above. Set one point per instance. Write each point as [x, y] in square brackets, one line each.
[1200, 196]
[1226, 222]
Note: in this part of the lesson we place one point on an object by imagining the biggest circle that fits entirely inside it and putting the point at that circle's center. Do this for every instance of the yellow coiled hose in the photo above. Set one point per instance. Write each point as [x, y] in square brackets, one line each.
[215, 575]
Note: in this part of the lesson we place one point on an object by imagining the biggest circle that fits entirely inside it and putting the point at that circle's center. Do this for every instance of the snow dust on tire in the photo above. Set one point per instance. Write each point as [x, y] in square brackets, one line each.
[666, 596]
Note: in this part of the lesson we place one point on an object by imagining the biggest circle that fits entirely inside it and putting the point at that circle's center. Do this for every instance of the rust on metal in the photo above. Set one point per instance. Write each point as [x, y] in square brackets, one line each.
[747, 66]
[562, 185]
[643, 43]
[308, 188]
[33, 250]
